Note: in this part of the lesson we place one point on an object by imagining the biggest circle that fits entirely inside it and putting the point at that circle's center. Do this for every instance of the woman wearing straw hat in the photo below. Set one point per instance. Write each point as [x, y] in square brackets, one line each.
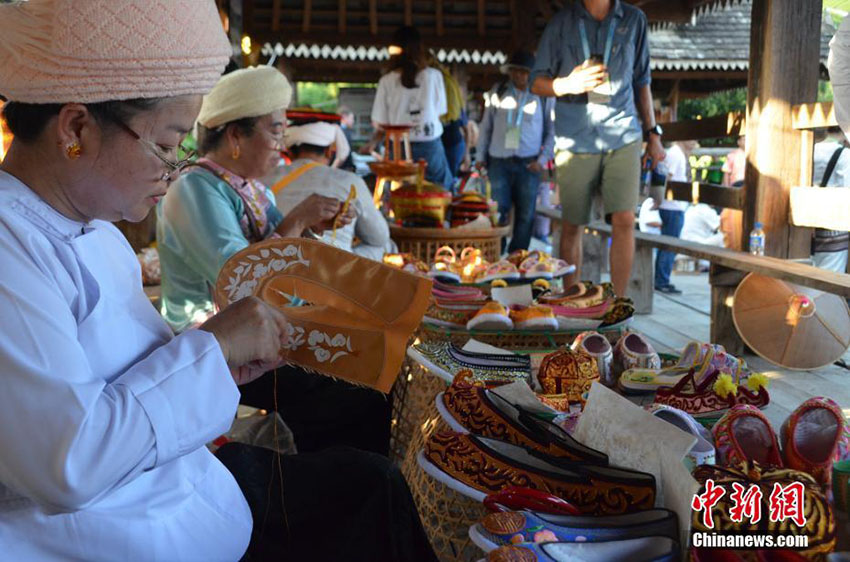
[104, 414]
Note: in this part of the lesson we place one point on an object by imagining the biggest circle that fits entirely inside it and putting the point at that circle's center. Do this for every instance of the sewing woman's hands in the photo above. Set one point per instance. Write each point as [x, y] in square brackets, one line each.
[251, 335]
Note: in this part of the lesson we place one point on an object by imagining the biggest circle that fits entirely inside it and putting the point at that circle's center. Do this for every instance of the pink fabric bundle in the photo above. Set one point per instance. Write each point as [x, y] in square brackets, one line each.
[87, 51]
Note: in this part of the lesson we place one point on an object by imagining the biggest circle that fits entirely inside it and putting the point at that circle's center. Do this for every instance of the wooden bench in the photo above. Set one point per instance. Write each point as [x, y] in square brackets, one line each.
[728, 268]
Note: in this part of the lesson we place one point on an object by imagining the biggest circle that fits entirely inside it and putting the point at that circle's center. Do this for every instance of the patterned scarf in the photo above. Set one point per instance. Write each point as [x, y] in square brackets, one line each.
[255, 223]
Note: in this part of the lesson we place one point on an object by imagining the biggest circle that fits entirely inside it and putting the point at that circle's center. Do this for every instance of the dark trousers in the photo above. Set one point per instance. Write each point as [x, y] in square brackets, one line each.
[671, 225]
[323, 412]
[512, 184]
[338, 504]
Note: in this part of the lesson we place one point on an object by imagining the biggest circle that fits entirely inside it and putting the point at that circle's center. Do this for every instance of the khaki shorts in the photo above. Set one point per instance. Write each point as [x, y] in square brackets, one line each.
[614, 174]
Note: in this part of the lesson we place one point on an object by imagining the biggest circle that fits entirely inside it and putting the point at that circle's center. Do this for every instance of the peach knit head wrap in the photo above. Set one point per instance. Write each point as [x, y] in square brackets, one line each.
[88, 51]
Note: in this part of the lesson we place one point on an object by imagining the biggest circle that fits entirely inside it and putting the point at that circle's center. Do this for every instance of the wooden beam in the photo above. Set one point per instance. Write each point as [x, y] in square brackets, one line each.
[276, 15]
[784, 70]
[341, 16]
[729, 125]
[813, 116]
[373, 17]
[438, 16]
[305, 21]
[482, 18]
[408, 12]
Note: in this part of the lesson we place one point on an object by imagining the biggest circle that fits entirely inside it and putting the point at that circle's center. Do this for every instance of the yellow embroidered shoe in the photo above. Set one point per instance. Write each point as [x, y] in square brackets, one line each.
[535, 317]
[350, 317]
[492, 316]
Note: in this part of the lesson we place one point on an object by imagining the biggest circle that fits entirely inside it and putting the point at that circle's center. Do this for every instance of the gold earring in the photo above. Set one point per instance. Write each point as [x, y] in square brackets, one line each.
[73, 150]
[235, 154]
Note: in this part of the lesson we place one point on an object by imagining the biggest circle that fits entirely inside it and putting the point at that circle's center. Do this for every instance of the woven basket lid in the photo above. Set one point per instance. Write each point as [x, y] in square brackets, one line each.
[789, 325]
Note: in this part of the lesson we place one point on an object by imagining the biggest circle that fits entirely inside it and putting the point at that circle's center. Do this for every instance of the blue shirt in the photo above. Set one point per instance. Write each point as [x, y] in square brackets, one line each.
[597, 128]
[537, 136]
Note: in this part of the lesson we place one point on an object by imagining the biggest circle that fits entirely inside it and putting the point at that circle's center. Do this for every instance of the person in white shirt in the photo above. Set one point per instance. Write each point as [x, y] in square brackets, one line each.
[413, 94]
[672, 213]
[312, 146]
[831, 168]
[649, 220]
[702, 224]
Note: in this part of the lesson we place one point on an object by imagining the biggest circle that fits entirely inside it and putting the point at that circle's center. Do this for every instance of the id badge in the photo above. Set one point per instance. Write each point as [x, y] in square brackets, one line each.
[512, 138]
[601, 94]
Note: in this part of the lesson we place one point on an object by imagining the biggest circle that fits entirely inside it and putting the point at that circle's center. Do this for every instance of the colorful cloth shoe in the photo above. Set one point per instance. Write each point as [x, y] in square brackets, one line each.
[703, 451]
[633, 351]
[645, 549]
[484, 413]
[696, 356]
[545, 267]
[819, 526]
[446, 360]
[477, 466]
[535, 317]
[406, 262]
[597, 346]
[568, 372]
[577, 296]
[517, 257]
[744, 434]
[451, 314]
[814, 436]
[714, 395]
[492, 316]
[620, 313]
[499, 270]
[514, 527]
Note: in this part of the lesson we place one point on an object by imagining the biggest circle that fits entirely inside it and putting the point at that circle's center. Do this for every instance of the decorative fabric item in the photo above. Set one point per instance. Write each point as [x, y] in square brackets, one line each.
[814, 436]
[514, 527]
[480, 412]
[744, 434]
[255, 223]
[714, 395]
[633, 351]
[247, 92]
[656, 549]
[568, 372]
[820, 522]
[535, 317]
[60, 51]
[703, 451]
[492, 316]
[598, 347]
[359, 314]
[446, 360]
[478, 466]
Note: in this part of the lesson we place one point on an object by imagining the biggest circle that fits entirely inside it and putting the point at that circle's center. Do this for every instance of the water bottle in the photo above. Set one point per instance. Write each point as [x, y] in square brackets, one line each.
[757, 240]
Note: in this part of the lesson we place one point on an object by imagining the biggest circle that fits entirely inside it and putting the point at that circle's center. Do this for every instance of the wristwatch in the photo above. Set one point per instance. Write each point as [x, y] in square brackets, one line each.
[656, 130]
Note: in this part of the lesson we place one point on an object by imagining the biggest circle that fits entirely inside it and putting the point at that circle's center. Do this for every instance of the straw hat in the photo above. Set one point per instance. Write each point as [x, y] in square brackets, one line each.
[792, 326]
[60, 51]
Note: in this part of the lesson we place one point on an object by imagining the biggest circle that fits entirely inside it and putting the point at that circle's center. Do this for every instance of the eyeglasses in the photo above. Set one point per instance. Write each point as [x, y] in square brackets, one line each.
[174, 168]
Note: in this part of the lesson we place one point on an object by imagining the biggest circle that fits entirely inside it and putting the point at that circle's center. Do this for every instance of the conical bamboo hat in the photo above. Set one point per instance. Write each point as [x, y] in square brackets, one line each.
[789, 325]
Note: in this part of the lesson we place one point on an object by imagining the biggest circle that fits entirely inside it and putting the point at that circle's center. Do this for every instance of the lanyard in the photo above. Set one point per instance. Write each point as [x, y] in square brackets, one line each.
[608, 44]
[519, 108]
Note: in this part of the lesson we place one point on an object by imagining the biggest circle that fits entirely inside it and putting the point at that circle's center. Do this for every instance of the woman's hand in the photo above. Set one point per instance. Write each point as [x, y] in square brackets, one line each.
[251, 335]
[311, 212]
[343, 220]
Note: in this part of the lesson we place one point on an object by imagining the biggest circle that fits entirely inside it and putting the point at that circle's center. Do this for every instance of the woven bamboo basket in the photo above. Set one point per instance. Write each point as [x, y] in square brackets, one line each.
[446, 515]
[424, 242]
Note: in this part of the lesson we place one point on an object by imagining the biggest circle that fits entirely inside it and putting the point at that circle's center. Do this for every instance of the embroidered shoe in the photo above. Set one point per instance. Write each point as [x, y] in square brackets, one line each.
[633, 351]
[515, 527]
[517, 257]
[620, 313]
[347, 329]
[535, 317]
[484, 413]
[491, 316]
[703, 451]
[568, 372]
[577, 296]
[814, 436]
[478, 466]
[535, 267]
[714, 395]
[644, 549]
[451, 314]
[598, 347]
[695, 356]
[499, 270]
[446, 360]
[744, 434]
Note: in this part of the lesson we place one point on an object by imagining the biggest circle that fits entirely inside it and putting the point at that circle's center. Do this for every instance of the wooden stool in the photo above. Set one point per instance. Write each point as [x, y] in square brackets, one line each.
[398, 164]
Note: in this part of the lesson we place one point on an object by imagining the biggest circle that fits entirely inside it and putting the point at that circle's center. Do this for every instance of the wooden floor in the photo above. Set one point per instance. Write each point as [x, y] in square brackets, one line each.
[676, 320]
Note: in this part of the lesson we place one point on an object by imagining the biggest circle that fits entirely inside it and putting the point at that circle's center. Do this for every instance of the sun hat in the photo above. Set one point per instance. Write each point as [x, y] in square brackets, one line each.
[521, 60]
[60, 51]
[248, 92]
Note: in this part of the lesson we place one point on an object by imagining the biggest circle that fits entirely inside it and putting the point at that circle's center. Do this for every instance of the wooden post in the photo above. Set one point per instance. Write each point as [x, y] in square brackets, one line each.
[341, 16]
[482, 16]
[642, 281]
[723, 284]
[308, 12]
[408, 12]
[784, 55]
[674, 100]
[276, 15]
[373, 17]
[438, 16]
